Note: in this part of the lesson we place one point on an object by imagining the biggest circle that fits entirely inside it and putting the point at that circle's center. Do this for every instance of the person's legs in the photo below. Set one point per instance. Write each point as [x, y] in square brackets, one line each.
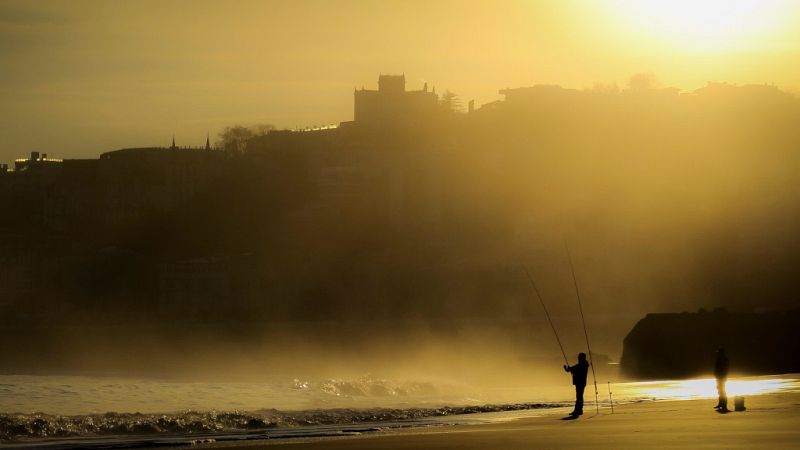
[579, 398]
[575, 408]
[723, 396]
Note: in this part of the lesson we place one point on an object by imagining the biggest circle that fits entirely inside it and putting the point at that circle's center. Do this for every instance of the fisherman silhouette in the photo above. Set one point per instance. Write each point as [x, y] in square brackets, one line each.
[579, 372]
[721, 374]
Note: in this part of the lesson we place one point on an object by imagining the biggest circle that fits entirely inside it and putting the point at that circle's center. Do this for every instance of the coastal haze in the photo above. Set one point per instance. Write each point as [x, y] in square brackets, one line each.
[99, 77]
[313, 205]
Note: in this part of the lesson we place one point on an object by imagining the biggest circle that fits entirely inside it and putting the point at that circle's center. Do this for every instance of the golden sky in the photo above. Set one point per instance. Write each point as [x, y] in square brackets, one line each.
[81, 77]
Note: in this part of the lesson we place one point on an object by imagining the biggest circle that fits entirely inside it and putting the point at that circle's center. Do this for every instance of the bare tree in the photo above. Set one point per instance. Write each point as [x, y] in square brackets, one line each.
[234, 139]
[642, 81]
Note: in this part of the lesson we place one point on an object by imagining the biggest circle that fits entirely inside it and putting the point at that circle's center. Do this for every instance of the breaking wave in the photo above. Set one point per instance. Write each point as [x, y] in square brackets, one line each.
[64, 412]
[373, 387]
[39, 425]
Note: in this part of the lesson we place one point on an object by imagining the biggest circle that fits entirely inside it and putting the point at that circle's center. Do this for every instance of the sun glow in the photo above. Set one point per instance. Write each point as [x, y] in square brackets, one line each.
[707, 388]
[705, 24]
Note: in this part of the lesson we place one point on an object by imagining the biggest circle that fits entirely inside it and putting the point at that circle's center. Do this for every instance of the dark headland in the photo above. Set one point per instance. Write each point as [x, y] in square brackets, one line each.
[666, 346]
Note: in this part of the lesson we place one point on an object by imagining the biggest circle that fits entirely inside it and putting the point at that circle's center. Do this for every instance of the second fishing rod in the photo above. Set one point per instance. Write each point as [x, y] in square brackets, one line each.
[583, 321]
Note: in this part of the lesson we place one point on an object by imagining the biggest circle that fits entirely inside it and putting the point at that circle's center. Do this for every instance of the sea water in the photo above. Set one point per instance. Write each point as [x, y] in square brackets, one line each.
[85, 411]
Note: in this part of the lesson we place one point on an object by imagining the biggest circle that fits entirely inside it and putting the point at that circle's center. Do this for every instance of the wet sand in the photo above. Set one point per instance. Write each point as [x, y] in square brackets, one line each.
[770, 422]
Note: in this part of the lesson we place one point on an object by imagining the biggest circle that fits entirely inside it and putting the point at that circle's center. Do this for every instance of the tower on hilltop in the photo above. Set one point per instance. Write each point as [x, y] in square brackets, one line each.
[392, 84]
[392, 103]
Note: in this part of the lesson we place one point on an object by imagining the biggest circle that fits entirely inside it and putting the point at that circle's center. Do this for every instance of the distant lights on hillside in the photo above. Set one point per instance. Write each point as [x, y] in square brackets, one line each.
[332, 126]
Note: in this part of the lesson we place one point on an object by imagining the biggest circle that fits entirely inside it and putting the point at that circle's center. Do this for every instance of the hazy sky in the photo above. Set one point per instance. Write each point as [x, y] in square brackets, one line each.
[81, 77]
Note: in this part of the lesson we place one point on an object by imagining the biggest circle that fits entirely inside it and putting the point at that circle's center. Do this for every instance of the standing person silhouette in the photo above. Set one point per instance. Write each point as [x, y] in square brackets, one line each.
[579, 372]
[721, 374]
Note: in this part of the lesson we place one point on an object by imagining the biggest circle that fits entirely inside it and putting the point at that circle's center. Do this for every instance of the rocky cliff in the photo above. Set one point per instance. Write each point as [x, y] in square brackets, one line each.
[683, 345]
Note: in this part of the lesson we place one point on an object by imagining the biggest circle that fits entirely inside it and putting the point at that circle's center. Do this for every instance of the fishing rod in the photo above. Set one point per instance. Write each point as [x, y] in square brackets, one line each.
[585, 332]
[536, 289]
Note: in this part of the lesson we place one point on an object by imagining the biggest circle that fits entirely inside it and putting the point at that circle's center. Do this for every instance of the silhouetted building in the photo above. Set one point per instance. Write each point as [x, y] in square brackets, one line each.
[36, 161]
[24, 189]
[540, 93]
[138, 181]
[391, 103]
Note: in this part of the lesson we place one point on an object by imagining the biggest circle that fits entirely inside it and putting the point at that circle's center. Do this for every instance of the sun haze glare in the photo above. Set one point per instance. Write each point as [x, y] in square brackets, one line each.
[708, 24]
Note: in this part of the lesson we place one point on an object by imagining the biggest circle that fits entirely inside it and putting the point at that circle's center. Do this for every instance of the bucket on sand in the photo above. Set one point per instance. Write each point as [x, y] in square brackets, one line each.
[738, 403]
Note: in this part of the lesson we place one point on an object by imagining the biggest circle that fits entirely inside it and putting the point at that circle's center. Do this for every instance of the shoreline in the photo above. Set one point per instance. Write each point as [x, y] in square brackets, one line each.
[319, 428]
[770, 421]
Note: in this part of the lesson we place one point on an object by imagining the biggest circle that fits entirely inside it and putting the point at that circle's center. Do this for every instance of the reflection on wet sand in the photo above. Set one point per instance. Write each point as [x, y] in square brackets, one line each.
[704, 388]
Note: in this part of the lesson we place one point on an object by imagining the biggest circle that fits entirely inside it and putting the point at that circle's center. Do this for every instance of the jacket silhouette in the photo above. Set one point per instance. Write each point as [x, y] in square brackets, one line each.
[579, 373]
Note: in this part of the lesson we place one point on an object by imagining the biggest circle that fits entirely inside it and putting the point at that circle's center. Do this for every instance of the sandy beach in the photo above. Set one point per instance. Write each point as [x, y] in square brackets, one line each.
[771, 421]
